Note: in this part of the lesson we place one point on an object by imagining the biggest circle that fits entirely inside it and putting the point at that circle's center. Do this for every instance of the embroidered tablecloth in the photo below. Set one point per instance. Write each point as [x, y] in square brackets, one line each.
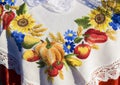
[59, 42]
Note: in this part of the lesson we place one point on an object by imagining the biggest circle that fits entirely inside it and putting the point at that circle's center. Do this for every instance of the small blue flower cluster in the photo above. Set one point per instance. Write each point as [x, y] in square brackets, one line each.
[19, 38]
[115, 22]
[9, 2]
[69, 45]
[70, 35]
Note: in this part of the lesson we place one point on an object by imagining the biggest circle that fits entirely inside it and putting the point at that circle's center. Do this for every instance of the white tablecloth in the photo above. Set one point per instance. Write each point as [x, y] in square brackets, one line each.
[96, 67]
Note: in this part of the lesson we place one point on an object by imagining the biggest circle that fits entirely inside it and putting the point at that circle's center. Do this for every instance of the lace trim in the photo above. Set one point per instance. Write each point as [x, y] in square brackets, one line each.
[9, 61]
[105, 73]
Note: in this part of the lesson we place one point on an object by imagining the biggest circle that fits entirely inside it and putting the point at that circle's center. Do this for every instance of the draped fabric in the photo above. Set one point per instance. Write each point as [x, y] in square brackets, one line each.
[61, 6]
[24, 42]
[10, 77]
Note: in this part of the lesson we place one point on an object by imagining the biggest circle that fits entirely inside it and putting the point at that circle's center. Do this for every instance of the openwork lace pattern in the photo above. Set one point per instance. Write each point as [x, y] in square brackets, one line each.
[105, 73]
[9, 61]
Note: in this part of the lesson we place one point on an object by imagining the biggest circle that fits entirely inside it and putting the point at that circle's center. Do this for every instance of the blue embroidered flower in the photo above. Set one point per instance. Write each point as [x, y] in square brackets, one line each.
[11, 2]
[70, 35]
[3, 2]
[115, 21]
[69, 47]
[19, 38]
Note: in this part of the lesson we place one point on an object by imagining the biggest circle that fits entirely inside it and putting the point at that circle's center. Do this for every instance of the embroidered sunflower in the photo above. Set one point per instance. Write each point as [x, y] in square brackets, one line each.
[22, 23]
[99, 20]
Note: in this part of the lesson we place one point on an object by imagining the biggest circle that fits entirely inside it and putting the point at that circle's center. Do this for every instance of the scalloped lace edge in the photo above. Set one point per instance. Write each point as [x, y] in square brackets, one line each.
[105, 73]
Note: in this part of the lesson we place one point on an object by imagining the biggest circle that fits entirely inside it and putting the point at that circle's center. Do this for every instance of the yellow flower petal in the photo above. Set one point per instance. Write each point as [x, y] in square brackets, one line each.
[100, 26]
[23, 23]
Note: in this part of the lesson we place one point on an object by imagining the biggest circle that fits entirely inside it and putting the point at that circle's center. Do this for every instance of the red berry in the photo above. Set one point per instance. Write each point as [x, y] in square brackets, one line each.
[58, 65]
[52, 71]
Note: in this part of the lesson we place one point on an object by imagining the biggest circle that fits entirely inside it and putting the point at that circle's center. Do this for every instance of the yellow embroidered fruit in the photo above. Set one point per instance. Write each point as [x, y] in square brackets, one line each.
[30, 41]
[30, 56]
[55, 53]
[73, 60]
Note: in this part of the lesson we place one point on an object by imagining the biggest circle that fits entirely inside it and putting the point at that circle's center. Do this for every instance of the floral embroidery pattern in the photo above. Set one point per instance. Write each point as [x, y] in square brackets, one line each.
[69, 47]
[22, 23]
[57, 51]
[99, 20]
[70, 35]
[19, 38]
[115, 21]
[9, 2]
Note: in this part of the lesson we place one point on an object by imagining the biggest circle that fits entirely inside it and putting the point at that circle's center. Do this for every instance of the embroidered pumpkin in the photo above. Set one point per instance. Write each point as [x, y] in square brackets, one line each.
[55, 53]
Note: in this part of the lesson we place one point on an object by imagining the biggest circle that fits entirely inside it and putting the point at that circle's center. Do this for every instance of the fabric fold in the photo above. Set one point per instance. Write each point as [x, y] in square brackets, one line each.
[62, 5]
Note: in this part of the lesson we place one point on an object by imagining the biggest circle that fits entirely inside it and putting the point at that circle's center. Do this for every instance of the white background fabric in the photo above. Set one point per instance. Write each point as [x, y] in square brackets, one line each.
[106, 55]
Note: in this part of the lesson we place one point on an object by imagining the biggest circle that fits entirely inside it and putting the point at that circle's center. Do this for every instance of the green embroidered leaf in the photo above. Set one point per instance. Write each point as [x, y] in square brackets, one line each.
[84, 22]
[7, 6]
[70, 55]
[86, 35]
[66, 65]
[48, 46]
[78, 39]
[22, 9]
[41, 64]
[50, 79]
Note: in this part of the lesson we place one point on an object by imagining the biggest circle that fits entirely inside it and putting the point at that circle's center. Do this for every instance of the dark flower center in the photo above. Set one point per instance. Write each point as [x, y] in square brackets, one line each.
[100, 18]
[22, 22]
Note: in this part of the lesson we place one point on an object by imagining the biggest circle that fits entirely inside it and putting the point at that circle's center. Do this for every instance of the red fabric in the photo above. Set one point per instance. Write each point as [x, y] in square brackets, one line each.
[111, 82]
[9, 76]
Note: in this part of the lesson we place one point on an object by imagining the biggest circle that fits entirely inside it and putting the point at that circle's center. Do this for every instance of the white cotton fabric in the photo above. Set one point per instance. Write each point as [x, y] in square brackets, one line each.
[52, 5]
[108, 53]
[61, 5]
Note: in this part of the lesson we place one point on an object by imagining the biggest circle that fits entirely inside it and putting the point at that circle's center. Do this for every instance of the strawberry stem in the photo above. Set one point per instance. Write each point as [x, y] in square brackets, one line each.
[58, 62]
[48, 46]
[42, 41]
[51, 67]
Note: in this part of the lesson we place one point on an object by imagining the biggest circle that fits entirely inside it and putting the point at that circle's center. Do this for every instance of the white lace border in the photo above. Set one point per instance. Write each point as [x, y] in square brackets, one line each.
[105, 73]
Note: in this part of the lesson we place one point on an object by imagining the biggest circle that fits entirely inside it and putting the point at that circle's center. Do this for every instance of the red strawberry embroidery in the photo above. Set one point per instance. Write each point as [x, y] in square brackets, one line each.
[7, 18]
[52, 71]
[58, 65]
[95, 36]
